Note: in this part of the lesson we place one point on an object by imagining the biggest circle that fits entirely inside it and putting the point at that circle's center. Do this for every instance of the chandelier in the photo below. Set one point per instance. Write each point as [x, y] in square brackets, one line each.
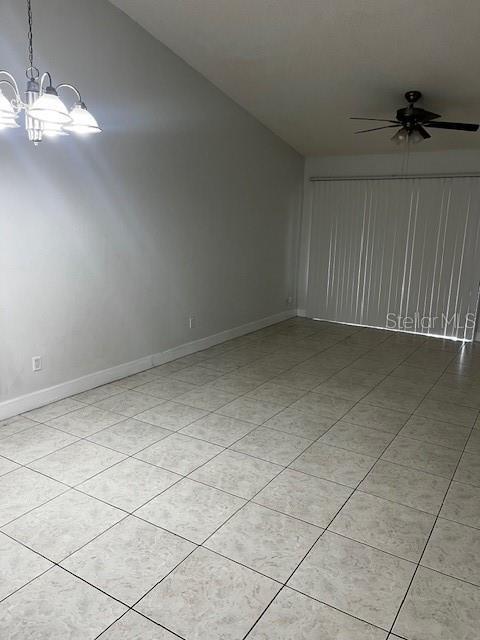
[46, 115]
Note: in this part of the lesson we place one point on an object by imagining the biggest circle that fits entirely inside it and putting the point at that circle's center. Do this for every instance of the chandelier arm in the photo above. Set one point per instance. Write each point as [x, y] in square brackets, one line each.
[11, 82]
[42, 79]
[65, 85]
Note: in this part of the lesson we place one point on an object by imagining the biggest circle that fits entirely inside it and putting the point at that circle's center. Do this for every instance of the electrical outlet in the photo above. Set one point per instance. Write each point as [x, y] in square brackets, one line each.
[36, 363]
[289, 301]
[192, 321]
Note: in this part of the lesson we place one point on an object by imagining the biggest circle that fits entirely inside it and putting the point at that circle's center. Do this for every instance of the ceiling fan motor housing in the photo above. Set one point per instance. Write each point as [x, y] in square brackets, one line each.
[411, 115]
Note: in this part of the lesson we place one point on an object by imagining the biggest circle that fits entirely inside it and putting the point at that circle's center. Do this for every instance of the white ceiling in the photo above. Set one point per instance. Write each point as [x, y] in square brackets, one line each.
[302, 67]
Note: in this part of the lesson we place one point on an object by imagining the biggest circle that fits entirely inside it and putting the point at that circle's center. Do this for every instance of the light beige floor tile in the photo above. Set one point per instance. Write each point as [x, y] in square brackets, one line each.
[272, 445]
[234, 384]
[250, 410]
[59, 606]
[299, 424]
[171, 415]
[332, 463]
[264, 540]
[34, 443]
[136, 380]
[343, 388]
[448, 412]
[374, 365]
[435, 360]
[358, 376]
[424, 456]
[53, 410]
[293, 615]
[359, 580]
[473, 444]
[165, 388]
[469, 469]
[323, 405]
[411, 372]
[412, 385]
[300, 380]
[7, 465]
[168, 368]
[25, 490]
[218, 429]
[129, 436]
[385, 525]
[276, 393]
[11, 426]
[219, 599]
[178, 453]
[206, 398]
[462, 504]
[356, 438]
[191, 509]
[439, 607]
[454, 549]
[191, 359]
[64, 524]
[77, 462]
[410, 487]
[128, 403]
[129, 484]
[465, 397]
[444, 433]
[83, 422]
[237, 473]
[303, 496]
[128, 559]
[197, 374]
[367, 415]
[18, 565]
[99, 393]
[405, 402]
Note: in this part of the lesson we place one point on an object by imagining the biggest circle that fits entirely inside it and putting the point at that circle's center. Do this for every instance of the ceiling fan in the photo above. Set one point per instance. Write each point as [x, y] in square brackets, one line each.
[412, 121]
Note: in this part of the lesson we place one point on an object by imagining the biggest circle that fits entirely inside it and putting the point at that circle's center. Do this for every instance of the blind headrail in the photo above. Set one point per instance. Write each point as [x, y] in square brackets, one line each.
[393, 177]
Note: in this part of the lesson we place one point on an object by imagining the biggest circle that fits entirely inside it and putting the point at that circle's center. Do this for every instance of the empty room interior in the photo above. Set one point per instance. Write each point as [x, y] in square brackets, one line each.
[239, 320]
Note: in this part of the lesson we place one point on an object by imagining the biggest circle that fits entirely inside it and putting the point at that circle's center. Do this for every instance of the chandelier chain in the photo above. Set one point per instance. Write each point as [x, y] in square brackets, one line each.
[32, 72]
[30, 33]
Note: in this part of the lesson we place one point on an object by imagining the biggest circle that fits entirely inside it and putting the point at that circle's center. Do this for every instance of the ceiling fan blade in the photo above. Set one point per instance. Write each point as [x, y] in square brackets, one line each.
[376, 120]
[423, 132]
[429, 115]
[458, 126]
[388, 126]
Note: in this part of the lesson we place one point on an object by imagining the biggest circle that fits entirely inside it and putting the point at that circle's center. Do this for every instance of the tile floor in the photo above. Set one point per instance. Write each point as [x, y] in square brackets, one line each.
[308, 481]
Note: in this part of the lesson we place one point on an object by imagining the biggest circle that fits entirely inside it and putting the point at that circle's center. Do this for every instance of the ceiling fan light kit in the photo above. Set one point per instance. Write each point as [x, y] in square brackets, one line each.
[46, 115]
[412, 122]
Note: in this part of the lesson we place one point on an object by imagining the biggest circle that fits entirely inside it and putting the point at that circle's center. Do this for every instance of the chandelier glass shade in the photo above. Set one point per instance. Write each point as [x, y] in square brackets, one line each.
[82, 121]
[46, 115]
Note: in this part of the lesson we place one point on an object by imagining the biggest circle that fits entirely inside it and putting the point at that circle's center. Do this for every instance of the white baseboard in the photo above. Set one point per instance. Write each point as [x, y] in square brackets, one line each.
[36, 399]
[302, 313]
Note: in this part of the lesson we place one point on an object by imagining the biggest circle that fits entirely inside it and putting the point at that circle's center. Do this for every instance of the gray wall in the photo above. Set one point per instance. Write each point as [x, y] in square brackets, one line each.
[420, 162]
[185, 204]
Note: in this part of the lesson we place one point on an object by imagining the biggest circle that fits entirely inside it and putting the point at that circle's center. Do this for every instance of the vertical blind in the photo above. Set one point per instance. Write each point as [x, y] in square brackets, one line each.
[396, 253]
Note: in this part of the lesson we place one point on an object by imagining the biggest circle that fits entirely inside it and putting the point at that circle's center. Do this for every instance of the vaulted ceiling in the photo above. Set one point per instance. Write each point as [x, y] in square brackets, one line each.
[302, 67]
